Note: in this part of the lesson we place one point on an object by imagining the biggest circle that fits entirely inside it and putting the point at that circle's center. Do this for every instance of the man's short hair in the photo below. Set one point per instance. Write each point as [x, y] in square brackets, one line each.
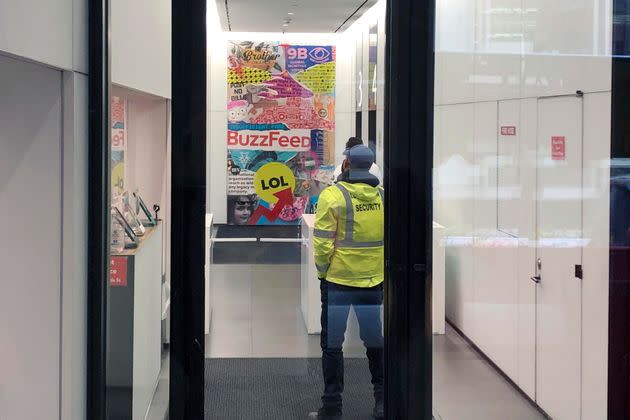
[353, 141]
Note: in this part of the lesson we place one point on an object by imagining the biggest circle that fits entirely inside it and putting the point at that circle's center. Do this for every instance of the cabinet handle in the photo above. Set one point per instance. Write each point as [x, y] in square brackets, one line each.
[536, 279]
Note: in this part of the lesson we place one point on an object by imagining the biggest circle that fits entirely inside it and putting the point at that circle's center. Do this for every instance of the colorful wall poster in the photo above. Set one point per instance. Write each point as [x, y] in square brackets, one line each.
[119, 144]
[280, 130]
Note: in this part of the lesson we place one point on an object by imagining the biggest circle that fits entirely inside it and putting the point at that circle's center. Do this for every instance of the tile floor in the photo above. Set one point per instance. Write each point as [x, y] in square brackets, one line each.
[256, 313]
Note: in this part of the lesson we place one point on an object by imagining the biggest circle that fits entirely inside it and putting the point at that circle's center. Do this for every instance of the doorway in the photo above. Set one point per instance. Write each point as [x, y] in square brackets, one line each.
[408, 241]
[408, 245]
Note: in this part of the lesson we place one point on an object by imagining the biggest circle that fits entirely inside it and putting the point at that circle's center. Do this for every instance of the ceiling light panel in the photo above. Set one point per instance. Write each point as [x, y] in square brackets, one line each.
[306, 16]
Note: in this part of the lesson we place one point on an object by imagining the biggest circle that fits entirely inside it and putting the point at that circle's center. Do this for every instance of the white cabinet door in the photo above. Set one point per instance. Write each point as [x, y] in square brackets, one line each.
[559, 231]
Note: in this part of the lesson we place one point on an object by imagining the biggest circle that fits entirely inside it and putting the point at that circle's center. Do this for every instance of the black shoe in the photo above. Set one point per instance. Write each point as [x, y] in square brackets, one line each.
[325, 415]
[379, 410]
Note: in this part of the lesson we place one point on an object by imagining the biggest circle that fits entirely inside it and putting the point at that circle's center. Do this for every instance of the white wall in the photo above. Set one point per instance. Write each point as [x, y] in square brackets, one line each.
[147, 133]
[52, 32]
[45, 140]
[480, 61]
[360, 30]
[44, 350]
[148, 159]
[486, 78]
[217, 101]
[43, 212]
[31, 226]
[141, 45]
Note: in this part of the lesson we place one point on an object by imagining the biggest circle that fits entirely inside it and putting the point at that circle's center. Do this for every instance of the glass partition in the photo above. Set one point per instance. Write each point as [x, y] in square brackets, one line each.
[521, 204]
[138, 289]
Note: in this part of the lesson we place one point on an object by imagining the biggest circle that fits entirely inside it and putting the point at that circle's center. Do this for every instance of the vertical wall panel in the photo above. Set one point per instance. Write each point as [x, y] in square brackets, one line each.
[494, 318]
[455, 197]
[30, 222]
[74, 274]
[344, 114]
[526, 289]
[509, 186]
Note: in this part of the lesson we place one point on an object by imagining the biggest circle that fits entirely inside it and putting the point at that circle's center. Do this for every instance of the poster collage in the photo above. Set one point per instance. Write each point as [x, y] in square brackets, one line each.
[119, 144]
[280, 131]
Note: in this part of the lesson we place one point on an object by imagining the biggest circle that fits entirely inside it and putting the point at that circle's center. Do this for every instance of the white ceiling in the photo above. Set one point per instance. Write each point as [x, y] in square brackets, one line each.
[308, 15]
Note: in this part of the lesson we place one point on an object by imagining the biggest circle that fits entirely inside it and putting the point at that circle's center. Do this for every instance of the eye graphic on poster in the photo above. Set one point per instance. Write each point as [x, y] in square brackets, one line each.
[280, 133]
[319, 54]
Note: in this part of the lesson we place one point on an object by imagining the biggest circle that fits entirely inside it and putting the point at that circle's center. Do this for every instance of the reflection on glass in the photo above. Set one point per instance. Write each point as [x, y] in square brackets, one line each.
[358, 69]
[372, 78]
[521, 186]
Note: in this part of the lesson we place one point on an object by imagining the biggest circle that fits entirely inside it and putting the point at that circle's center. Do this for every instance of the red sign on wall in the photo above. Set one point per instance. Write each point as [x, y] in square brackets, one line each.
[508, 130]
[558, 148]
[118, 271]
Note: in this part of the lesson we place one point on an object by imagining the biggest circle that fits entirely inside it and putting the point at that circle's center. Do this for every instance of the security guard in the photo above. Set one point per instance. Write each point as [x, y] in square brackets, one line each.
[348, 240]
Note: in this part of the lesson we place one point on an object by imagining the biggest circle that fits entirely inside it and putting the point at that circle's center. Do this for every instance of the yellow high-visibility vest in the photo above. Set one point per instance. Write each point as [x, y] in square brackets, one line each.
[349, 234]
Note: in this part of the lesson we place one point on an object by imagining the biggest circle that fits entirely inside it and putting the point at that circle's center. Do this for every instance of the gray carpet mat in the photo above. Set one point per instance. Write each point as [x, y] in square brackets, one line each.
[280, 389]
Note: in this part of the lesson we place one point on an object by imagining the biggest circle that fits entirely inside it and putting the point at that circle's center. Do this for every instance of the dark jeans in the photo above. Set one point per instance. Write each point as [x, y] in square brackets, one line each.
[336, 303]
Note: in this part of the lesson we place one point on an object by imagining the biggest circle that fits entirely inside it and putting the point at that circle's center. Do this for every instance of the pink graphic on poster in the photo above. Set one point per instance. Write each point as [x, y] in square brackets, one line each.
[285, 86]
[296, 113]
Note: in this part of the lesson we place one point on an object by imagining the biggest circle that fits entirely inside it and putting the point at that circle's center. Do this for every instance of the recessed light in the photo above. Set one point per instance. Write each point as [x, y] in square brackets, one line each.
[290, 13]
[285, 25]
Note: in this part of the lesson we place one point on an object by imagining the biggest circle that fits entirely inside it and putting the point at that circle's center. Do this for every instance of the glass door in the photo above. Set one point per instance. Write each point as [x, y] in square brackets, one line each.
[263, 243]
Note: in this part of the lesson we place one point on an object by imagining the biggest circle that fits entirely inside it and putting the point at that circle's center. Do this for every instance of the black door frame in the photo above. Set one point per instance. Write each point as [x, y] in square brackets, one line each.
[409, 81]
[188, 198]
[408, 165]
[98, 206]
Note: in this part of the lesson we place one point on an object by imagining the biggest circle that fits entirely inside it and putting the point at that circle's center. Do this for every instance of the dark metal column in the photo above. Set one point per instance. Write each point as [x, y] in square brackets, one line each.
[188, 209]
[408, 187]
[98, 208]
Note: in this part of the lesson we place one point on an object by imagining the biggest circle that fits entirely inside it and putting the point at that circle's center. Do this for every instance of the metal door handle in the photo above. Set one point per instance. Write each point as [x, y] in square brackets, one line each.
[536, 279]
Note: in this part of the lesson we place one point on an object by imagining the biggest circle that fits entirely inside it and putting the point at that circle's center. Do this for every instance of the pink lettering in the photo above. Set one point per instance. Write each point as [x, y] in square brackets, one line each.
[273, 137]
[232, 138]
